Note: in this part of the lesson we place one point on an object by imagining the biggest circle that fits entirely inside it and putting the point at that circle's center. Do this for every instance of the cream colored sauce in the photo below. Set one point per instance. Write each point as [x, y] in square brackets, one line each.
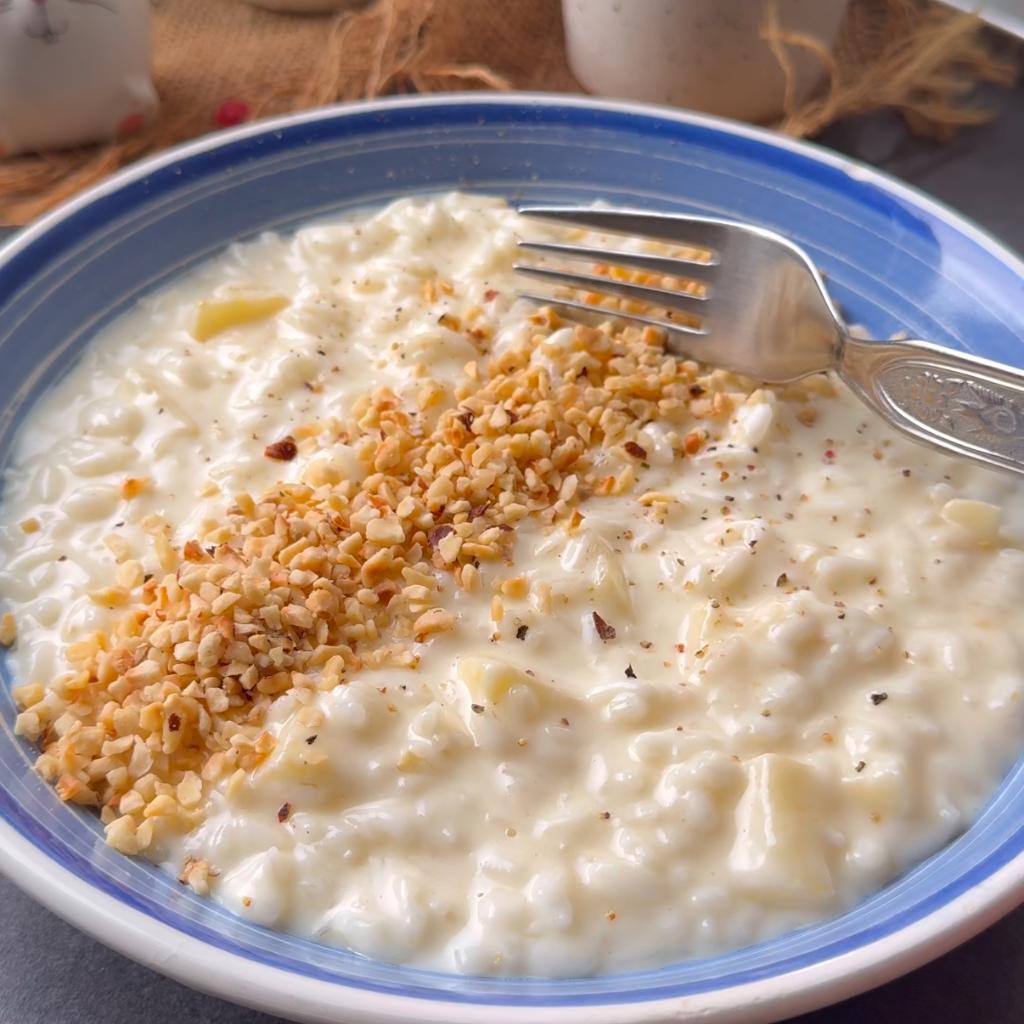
[815, 679]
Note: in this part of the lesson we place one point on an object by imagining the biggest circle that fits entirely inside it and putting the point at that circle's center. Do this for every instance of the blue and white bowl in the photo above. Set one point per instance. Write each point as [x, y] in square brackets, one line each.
[894, 260]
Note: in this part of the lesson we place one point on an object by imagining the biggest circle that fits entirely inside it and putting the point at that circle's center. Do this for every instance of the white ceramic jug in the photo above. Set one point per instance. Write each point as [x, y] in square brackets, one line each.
[72, 71]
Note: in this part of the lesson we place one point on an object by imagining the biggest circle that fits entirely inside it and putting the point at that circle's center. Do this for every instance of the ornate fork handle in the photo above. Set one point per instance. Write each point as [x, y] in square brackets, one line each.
[959, 403]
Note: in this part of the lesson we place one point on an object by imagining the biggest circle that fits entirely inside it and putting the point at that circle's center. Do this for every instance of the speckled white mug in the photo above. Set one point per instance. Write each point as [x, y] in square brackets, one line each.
[72, 71]
[708, 55]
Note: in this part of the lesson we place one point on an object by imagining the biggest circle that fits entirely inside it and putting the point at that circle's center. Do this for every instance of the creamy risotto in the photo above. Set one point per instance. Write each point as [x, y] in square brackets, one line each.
[385, 609]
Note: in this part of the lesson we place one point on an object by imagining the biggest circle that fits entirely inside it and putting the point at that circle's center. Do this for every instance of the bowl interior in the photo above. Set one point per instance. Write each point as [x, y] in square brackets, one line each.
[892, 260]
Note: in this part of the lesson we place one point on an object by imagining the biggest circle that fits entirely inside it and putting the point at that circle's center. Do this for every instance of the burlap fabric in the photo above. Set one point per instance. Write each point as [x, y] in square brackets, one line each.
[912, 55]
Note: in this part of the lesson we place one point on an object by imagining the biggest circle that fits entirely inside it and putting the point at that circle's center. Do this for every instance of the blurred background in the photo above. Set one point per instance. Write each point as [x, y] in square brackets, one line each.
[86, 87]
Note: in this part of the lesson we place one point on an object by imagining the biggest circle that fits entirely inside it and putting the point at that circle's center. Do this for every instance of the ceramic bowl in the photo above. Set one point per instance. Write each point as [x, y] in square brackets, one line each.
[894, 260]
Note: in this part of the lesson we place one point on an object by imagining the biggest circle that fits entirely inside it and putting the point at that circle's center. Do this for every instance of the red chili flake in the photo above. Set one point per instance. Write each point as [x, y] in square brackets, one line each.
[465, 417]
[285, 450]
[829, 455]
[173, 722]
[491, 294]
[438, 534]
[635, 450]
[696, 390]
[604, 631]
[878, 698]
[521, 632]
[680, 648]
[284, 812]
[232, 112]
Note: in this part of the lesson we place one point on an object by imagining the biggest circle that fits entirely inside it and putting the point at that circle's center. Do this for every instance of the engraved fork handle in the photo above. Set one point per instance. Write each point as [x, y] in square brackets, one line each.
[955, 402]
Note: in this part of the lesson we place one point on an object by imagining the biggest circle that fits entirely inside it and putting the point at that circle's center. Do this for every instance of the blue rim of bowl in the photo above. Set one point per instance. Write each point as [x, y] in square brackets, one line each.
[949, 916]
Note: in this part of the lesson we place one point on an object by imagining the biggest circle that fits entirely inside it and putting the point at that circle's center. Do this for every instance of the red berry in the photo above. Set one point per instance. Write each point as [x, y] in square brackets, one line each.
[131, 125]
[232, 112]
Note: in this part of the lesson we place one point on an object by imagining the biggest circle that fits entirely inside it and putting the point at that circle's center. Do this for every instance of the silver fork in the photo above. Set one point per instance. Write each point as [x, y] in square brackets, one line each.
[764, 312]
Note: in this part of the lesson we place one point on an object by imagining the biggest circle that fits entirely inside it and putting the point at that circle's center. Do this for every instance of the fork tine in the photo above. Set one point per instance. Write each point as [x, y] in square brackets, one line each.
[655, 296]
[705, 232]
[673, 266]
[614, 314]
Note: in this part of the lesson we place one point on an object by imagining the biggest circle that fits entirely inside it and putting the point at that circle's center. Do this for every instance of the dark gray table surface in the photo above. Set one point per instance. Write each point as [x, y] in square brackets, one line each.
[52, 974]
